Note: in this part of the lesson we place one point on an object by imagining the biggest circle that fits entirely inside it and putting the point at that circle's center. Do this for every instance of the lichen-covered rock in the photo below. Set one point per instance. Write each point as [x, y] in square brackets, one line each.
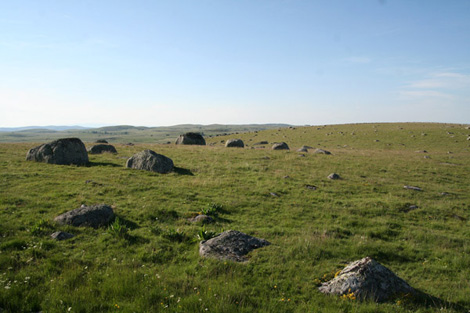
[191, 139]
[234, 143]
[64, 151]
[367, 279]
[98, 149]
[230, 245]
[149, 160]
[92, 216]
[280, 146]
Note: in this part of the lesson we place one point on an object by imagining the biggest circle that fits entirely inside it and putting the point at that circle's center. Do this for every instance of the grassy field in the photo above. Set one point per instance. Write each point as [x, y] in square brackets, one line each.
[149, 262]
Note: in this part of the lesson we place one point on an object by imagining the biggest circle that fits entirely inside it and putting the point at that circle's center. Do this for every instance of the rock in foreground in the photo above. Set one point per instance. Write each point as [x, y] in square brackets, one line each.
[191, 139]
[64, 151]
[230, 245]
[149, 160]
[92, 216]
[367, 279]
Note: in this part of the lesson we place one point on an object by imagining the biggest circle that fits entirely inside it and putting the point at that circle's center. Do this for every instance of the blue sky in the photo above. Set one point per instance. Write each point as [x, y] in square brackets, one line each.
[155, 63]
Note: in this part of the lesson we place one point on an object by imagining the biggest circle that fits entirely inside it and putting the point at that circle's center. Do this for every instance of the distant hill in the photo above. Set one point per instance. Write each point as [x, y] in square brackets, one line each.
[56, 128]
[126, 133]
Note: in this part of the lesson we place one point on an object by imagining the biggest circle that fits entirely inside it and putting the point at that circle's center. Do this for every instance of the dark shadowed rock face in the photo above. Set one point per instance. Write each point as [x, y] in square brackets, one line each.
[101, 141]
[367, 279]
[280, 146]
[191, 139]
[303, 149]
[230, 245]
[62, 151]
[92, 216]
[236, 143]
[98, 149]
[149, 160]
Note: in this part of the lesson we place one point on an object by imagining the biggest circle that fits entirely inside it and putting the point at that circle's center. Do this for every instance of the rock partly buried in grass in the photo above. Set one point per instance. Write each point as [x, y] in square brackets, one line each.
[92, 216]
[366, 279]
[334, 176]
[234, 143]
[98, 149]
[280, 146]
[61, 235]
[149, 160]
[413, 188]
[302, 149]
[321, 151]
[264, 142]
[191, 139]
[101, 141]
[230, 245]
[64, 151]
[202, 219]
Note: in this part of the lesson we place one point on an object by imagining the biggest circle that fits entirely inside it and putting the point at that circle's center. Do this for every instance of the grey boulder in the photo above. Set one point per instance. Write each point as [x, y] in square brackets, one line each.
[98, 149]
[280, 146]
[230, 245]
[64, 151]
[191, 139]
[92, 216]
[366, 279]
[149, 160]
[234, 143]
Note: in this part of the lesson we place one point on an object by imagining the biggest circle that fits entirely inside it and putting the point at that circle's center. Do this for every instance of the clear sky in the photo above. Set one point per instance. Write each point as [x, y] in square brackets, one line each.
[167, 62]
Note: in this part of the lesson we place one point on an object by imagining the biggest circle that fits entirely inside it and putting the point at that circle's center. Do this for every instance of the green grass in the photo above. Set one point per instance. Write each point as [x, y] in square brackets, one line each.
[147, 259]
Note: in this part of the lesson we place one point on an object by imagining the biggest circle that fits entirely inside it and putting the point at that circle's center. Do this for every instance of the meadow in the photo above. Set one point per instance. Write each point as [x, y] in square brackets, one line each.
[148, 261]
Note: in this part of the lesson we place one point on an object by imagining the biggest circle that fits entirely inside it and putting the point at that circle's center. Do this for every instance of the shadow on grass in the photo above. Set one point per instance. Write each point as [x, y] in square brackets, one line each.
[93, 164]
[422, 299]
[182, 171]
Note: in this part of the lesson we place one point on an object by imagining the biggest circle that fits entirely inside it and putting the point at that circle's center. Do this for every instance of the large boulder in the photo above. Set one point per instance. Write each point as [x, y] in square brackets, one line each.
[367, 279]
[92, 216]
[191, 139]
[230, 245]
[98, 149]
[237, 143]
[280, 146]
[149, 160]
[62, 151]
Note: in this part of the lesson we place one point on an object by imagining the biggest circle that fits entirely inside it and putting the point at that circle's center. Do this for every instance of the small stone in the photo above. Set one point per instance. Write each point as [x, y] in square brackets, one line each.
[274, 194]
[413, 188]
[321, 151]
[60, 235]
[202, 219]
[311, 187]
[334, 176]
